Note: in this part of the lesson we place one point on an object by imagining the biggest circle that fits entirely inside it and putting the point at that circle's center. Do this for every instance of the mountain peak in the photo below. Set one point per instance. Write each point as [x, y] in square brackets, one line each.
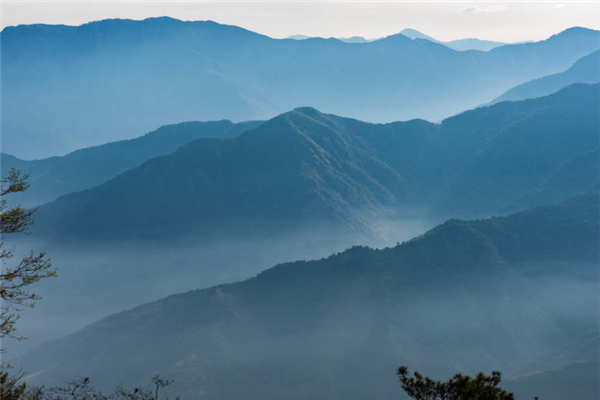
[308, 111]
[415, 34]
[575, 31]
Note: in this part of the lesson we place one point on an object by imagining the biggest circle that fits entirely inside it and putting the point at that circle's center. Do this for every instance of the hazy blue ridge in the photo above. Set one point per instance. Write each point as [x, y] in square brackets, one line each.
[466, 296]
[585, 70]
[459, 44]
[344, 172]
[82, 169]
[69, 87]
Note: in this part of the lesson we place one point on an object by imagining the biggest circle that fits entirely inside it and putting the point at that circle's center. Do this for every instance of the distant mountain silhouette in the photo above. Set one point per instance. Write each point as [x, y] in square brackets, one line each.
[67, 87]
[415, 34]
[83, 169]
[466, 296]
[304, 167]
[585, 70]
[299, 37]
[473, 44]
[458, 45]
[353, 39]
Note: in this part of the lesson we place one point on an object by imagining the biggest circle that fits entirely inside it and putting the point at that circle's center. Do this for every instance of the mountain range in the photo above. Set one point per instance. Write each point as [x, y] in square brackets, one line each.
[63, 89]
[459, 44]
[217, 210]
[476, 214]
[82, 169]
[466, 296]
[585, 70]
[345, 173]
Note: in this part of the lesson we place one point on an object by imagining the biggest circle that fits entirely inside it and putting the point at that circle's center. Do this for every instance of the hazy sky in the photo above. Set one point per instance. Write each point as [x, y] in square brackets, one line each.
[444, 20]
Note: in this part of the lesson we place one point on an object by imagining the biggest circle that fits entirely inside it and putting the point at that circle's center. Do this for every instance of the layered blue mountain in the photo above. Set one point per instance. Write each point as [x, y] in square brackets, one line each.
[304, 168]
[585, 70]
[68, 87]
[459, 44]
[82, 169]
[466, 296]
[572, 177]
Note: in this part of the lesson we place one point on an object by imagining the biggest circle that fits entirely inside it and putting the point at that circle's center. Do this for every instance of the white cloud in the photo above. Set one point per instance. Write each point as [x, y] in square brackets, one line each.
[559, 5]
[486, 9]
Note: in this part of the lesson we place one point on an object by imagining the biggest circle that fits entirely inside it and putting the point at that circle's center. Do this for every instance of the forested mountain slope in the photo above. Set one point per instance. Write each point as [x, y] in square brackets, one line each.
[304, 168]
[466, 296]
[82, 169]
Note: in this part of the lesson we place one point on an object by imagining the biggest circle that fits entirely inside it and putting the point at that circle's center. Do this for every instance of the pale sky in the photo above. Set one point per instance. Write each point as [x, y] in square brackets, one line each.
[444, 20]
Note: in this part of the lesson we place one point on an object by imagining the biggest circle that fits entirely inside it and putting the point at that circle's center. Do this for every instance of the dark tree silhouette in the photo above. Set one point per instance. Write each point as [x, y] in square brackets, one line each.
[16, 278]
[459, 387]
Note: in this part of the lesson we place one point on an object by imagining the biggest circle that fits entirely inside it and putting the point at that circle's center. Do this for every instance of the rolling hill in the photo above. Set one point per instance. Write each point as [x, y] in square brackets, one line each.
[466, 296]
[60, 83]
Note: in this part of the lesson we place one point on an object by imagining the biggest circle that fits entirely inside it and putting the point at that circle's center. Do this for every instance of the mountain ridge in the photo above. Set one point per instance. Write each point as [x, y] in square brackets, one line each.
[585, 70]
[82, 169]
[210, 71]
[291, 318]
[339, 170]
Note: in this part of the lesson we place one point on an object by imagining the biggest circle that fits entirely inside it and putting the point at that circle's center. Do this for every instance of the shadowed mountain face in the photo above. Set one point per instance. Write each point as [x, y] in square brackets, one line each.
[304, 168]
[465, 296]
[83, 169]
[585, 70]
[572, 177]
[71, 87]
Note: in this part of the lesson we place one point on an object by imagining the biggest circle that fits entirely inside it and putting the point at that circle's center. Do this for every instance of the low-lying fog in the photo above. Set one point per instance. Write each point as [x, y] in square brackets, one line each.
[97, 281]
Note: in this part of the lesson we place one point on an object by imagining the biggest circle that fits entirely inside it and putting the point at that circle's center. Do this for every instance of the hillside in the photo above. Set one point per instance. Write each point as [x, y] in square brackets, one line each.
[585, 70]
[325, 174]
[83, 169]
[535, 138]
[340, 172]
[466, 296]
[60, 83]
[571, 178]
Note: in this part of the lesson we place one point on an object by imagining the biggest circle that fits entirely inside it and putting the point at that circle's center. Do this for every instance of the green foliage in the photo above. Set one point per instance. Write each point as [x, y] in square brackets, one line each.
[11, 387]
[459, 387]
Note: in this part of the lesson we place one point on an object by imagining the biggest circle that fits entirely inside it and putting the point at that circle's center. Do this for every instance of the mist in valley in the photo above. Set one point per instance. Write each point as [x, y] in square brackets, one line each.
[388, 202]
[96, 280]
[519, 323]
